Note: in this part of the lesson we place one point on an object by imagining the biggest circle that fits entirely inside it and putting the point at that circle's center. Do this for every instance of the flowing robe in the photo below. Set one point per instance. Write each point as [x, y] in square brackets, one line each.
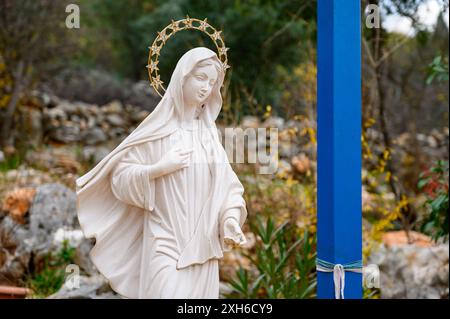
[182, 233]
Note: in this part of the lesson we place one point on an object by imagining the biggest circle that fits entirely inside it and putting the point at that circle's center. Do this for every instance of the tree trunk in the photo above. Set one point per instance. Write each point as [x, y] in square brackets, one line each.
[407, 213]
[21, 80]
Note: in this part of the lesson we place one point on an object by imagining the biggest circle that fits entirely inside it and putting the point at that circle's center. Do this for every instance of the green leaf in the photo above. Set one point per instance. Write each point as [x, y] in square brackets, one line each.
[422, 183]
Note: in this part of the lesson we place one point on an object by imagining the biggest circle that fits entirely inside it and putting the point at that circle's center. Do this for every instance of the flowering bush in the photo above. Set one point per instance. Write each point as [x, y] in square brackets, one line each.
[434, 182]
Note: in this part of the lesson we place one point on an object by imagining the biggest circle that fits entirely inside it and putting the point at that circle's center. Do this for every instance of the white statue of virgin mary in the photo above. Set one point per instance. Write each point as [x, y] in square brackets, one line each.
[164, 204]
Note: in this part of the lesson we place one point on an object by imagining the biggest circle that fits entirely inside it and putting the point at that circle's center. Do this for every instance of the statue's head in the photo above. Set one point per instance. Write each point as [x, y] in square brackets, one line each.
[197, 79]
[200, 82]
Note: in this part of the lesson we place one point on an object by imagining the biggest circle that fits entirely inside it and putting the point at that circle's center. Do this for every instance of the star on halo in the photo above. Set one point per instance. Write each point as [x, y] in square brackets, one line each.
[158, 81]
[216, 35]
[153, 66]
[162, 36]
[155, 49]
[223, 50]
[188, 22]
[174, 26]
[203, 25]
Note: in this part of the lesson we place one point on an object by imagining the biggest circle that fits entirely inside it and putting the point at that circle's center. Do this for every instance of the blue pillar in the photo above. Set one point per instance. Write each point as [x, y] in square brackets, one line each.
[339, 228]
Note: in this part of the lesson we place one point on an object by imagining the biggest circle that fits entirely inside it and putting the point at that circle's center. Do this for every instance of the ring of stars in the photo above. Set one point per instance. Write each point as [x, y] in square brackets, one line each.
[170, 30]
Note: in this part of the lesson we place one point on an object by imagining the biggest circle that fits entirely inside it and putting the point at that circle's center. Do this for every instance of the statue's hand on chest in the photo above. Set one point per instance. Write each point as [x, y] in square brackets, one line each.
[175, 159]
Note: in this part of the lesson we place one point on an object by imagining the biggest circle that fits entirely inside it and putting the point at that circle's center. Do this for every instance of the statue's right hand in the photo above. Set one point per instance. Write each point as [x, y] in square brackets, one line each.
[174, 160]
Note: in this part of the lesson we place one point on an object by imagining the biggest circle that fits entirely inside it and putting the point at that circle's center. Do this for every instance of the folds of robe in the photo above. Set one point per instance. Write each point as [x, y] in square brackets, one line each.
[183, 214]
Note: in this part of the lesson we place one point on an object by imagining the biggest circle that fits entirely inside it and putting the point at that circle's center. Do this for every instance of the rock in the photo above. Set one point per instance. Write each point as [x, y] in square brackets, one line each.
[94, 136]
[116, 132]
[75, 118]
[274, 122]
[432, 141]
[402, 139]
[53, 208]
[91, 122]
[94, 287]
[94, 109]
[57, 113]
[15, 251]
[412, 271]
[399, 238]
[100, 87]
[65, 163]
[66, 133]
[294, 124]
[105, 126]
[250, 121]
[301, 163]
[75, 238]
[284, 169]
[288, 149]
[41, 98]
[115, 120]
[142, 95]
[82, 108]
[138, 116]
[82, 257]
[114, 106]
[28, 177]
[67, 122]
[52, 160]
[17, 203]
[66, 107]
[94, 154]
[83, 125]
[41, 160]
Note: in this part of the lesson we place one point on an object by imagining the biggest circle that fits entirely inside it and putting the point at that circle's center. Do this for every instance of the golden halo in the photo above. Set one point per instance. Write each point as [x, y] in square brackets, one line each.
[174, 27]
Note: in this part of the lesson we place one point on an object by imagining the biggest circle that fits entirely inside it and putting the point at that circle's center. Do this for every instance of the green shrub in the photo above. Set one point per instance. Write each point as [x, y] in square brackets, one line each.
[51, 277]
[10, 162]
[284, 264]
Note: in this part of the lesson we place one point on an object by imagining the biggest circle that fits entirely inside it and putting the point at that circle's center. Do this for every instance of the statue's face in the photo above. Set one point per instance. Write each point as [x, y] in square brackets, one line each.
[199, 84]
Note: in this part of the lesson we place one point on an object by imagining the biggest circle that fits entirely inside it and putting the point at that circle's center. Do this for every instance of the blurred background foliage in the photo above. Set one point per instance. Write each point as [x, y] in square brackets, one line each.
[264, 38]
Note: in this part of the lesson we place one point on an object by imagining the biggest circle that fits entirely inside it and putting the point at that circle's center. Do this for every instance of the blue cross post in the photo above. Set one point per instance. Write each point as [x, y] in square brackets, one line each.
[339, 228]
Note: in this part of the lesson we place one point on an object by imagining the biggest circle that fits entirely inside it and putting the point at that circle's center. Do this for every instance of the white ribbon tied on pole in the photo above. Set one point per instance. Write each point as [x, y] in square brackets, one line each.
[338, 271]
[339, 281]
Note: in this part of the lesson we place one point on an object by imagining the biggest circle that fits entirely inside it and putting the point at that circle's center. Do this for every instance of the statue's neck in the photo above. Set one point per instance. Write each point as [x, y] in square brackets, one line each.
[190, 113]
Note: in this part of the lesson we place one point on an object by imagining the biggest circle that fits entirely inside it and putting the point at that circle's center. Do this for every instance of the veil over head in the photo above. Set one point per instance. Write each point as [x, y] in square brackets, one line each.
[166, 117]
[117, 226]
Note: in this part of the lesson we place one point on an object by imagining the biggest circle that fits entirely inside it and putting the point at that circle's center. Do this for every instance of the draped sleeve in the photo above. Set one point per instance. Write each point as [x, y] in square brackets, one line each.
[131, 180]
[233, 205]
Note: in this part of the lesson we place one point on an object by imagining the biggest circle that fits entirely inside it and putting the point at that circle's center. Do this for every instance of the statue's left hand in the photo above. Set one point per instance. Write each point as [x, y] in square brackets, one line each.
[233, 234]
